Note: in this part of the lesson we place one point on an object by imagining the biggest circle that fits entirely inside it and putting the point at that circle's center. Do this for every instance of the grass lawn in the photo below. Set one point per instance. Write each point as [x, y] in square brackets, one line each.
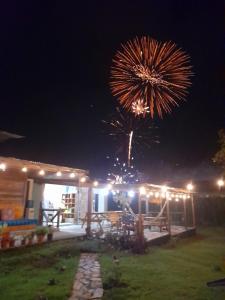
[174, 271]
[171, 273]
[24, 273]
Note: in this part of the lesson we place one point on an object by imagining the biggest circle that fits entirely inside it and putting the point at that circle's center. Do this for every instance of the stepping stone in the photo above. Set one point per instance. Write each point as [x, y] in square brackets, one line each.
[88, 281]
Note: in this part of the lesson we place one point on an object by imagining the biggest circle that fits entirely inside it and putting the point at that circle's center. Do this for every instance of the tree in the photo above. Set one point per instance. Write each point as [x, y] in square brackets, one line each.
[219, 157]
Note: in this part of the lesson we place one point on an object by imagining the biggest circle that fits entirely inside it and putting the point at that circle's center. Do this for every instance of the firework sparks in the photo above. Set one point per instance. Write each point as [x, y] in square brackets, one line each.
[139, 108]
[159, 73]
[121, 173]
[129, 132]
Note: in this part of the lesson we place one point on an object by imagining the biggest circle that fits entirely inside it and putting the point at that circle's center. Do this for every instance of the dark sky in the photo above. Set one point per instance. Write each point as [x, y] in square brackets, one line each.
[55, 60]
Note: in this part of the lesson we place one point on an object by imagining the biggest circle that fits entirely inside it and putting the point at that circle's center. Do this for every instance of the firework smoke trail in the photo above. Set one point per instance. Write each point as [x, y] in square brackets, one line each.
[130, 147]
[131, 133]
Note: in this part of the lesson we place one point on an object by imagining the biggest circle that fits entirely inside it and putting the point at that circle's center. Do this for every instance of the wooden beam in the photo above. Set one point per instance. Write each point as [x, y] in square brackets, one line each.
[89, 211]
[140, 227]
[193, 211]
[168, 215]
[185, 213]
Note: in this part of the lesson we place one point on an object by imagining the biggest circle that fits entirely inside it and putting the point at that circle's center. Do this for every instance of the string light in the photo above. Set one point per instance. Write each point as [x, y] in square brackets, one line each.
[72, 175]
[142, 190]
[24, 169]
[41, 172]
[2, 167]
[83, 179]
[220, 182]
[164, 188]
[109, 186]
[131, 194]
[156, 194]
[95, 183]
[190, 187]
[58, 174]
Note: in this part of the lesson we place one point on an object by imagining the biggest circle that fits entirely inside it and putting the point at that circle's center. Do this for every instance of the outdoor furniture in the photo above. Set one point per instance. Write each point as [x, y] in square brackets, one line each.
[96, 217]
[51, 216]
[160, 222]
[127, 223]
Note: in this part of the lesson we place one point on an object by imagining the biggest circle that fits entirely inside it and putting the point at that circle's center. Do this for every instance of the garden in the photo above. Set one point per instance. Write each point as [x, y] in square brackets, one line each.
[179, 269]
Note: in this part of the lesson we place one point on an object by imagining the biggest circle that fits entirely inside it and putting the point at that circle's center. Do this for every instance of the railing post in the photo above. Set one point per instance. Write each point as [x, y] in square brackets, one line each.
[185, 214]
[193, 211]
[168, 215]
[89, 210]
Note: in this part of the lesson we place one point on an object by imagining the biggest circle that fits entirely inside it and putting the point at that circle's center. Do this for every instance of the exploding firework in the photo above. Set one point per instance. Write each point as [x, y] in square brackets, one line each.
[139, 108]
[129, 131]
[121, 173]
[158, 73]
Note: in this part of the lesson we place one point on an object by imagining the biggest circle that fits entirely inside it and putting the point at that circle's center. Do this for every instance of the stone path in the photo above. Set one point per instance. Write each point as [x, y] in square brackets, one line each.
[88, 281]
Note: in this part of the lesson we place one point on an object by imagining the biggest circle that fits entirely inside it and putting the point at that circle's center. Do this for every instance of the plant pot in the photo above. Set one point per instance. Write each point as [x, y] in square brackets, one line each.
[30, 242]
[5, 243]
[12, 243]
[23, 242]
[50, 237]
[40, 239]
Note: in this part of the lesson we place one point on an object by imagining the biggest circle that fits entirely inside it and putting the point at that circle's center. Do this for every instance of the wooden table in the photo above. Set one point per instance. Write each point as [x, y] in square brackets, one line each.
[100, 217]
[154, 221]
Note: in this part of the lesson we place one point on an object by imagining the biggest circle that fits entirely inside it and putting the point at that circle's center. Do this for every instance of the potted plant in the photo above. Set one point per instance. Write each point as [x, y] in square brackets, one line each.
[23, 240]
[12, 240]
[41, 232]
[50, 233]
[4, 236]
[30, 238]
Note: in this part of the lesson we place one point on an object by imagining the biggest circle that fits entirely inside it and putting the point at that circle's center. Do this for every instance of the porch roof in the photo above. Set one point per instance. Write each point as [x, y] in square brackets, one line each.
[50, 172]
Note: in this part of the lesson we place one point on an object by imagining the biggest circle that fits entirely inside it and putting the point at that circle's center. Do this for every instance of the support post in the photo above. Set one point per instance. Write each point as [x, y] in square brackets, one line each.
[168, 215]
[185, 214]
[193, 211]
[140, 227]
[89, 210]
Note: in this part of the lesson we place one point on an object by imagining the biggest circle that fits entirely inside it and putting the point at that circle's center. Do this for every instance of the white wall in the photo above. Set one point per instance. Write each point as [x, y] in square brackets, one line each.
[52, 197]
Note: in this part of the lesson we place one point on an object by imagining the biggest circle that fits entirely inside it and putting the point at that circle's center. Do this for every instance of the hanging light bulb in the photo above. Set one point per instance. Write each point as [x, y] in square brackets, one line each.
[58, 174]
[2, 167]
[42, 172]
[24, 169]
[83, 179]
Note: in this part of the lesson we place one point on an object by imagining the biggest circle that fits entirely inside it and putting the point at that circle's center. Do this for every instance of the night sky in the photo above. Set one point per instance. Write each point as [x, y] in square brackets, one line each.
[55, 60]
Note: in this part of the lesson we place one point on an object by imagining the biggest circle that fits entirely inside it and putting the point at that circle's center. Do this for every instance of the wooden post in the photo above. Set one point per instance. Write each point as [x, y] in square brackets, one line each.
[193, 211]
[185, 213]
[168, 215]
[140, 227]
[89, 210]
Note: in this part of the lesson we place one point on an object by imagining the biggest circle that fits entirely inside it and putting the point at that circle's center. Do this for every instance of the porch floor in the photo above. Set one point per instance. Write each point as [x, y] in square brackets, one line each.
[72, 230]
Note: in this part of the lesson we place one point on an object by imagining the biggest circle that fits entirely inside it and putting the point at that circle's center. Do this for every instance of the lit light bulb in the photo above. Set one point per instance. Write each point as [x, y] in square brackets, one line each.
[72, 175]
[220, 182]
[2, 167]
[95, 183]
[131, 194]
[83, 179]
[142, 190]
[24, 169]
[109, 186]
[164, 188]
[58, 174]
[190, 187]
[41, 172]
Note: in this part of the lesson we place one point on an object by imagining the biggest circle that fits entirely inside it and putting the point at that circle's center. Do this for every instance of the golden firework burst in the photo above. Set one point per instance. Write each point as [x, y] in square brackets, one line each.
[158, 73]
